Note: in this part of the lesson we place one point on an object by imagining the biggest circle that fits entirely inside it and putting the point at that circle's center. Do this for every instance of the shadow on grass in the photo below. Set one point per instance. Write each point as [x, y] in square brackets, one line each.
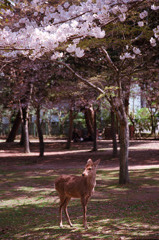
[110, 219]
[29, 206]
[57, 157]
[25, 184]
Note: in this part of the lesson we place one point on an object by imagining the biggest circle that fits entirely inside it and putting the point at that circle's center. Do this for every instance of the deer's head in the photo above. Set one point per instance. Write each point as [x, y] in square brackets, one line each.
[90, 168]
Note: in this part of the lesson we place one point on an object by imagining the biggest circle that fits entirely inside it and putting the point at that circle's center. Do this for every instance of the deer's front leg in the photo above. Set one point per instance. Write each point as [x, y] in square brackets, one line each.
[84, 201]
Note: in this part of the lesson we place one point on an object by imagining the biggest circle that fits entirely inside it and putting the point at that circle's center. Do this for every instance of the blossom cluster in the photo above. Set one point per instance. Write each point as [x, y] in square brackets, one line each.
[143, 15]
[156, 36]
[58, 25]
[155, 30]
[136, 51]
[47, 28]
[128, 55]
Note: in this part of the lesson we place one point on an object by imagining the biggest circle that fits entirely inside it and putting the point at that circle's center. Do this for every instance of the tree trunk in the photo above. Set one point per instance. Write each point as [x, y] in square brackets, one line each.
[25, 128]
[68, 145]
[13, 132]
[113, 131]
[153, 123]
[89, 118]
[95, 132]
[40, 134]
[26, 132]
[124, 152]
[22, 135]
[120, 112]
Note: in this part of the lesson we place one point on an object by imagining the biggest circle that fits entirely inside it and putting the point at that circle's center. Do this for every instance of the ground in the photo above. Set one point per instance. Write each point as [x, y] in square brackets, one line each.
[29, 202]
[141, 152]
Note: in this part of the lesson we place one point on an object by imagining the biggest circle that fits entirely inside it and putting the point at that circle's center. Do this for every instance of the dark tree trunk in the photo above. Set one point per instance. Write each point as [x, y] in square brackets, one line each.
[121, 113]
[153, 123]
[26, 132]
[89, 118]
[124, 152]
[25, 117]
[25, 128]
[95, 132]
[71, 117]
[113, 131]
[40, 134]
[13, 132]
[22, 135]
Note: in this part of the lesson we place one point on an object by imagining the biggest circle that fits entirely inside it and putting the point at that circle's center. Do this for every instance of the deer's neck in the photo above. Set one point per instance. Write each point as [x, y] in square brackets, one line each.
[91, 182]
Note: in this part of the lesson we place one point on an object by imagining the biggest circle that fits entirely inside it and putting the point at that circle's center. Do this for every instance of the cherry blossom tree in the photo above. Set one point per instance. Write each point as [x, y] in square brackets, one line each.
[20, 90]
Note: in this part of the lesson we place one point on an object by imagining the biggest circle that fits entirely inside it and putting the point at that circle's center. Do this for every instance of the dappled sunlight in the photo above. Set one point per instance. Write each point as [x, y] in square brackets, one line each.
[42, 191]
[30, 204]
[25, 200]
[144, 144]
[62, 152]
[57, 157]
[128, 229]
[99, 196]
[107, 219]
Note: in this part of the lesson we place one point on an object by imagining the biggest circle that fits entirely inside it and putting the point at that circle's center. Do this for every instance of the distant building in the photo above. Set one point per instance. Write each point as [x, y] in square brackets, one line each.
[136, 100]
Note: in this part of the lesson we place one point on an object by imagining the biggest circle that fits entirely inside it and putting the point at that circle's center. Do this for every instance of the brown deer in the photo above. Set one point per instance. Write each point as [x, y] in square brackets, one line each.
[70, 186]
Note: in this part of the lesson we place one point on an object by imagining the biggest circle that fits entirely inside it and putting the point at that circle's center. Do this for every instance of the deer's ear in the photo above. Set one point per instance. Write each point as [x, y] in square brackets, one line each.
[97, 162]
[89, 161]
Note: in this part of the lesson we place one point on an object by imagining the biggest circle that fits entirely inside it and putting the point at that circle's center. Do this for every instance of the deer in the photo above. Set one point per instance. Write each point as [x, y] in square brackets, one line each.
[72, 186]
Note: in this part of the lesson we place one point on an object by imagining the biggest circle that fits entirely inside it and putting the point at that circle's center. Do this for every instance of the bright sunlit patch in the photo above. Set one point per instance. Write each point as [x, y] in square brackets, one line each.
[24, 201]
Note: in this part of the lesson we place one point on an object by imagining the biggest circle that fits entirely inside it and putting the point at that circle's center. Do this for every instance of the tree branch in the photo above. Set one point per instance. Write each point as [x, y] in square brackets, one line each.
[16, 49]
[109, 59]
[84, 80]
[6, 63]
[99, 90]
[67, 20]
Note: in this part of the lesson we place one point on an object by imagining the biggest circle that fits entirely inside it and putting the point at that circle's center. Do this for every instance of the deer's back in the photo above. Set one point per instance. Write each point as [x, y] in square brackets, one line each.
[71, 186]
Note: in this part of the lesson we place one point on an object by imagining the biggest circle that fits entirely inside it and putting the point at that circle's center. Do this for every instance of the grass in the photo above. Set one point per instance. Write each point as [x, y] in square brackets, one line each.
[29, 206]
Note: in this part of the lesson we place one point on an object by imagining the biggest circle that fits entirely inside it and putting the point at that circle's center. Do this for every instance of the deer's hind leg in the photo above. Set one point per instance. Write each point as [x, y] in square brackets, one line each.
[66, 211]
[62, 203]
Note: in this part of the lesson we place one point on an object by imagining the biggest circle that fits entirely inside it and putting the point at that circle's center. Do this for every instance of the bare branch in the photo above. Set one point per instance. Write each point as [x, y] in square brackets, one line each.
[99, 90]
[71, 18]
[6, 63]
[109, 59]
[110, 21]
[84, 80]
[16, 49]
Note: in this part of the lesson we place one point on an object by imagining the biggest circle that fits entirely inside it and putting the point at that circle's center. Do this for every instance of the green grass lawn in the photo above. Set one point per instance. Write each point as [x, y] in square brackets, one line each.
[29, 206]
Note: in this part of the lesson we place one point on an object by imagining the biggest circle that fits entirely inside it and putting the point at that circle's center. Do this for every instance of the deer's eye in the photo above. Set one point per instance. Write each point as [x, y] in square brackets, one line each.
[90, 169]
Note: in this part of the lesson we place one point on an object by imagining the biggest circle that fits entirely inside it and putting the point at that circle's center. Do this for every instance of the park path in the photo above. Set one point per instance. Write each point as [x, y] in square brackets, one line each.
[142, 154]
